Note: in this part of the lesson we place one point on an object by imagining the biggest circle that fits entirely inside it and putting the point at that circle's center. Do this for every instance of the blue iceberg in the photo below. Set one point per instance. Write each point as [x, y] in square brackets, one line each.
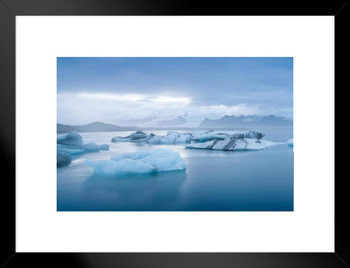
[72, 144]
[63, 159]
[71, 138]
[142, 162]
[93, 147]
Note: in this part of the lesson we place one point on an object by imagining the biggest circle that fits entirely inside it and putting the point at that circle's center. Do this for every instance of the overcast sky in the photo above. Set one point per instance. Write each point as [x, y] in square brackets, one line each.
[124, 90]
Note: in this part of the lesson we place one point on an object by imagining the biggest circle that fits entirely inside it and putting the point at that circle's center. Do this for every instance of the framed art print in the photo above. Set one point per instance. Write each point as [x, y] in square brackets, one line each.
[146, 135]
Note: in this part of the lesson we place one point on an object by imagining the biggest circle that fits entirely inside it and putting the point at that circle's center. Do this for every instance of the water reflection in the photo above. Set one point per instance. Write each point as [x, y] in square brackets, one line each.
[158, 191]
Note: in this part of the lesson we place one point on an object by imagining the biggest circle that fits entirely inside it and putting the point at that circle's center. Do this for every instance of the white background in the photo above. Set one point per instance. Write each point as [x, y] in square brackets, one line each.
[310, 40]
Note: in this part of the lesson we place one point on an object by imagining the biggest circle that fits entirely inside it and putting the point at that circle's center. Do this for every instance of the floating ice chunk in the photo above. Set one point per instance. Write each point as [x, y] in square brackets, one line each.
[141, 162]
[126, 166]
[183, 138]
[141, 137]
[251, 145]
[63, 159]
[200, 145]
[93, 147]
[213, 135]
[290, 142]
[71, 138]
[208, 136]
[104, 147]
[233, 144]
[170, 138]
[134, 137]
[72, 143]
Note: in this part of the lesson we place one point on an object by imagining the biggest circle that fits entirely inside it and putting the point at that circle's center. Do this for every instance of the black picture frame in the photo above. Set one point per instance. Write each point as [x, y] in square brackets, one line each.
[9, 9]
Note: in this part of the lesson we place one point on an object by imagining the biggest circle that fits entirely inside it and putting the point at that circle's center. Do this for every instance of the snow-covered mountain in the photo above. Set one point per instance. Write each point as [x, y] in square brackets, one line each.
[232, 121]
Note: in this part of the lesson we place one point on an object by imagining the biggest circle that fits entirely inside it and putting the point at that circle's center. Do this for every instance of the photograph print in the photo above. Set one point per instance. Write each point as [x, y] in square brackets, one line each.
[175, 134]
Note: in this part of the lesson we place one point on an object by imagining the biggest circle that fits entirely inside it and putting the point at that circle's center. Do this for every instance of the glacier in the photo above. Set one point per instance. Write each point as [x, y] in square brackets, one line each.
[174, 137]
[72, 144]
[141, 162]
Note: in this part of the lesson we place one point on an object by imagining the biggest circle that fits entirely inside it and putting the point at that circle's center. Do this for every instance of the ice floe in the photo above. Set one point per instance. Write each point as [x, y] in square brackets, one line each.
[71, 138]
[233, 144]
[141, 162]
[215, 140]
[290, 142]
[63, 159]
[183, 138]
[72, 144]
[93, 147]
[142, 137]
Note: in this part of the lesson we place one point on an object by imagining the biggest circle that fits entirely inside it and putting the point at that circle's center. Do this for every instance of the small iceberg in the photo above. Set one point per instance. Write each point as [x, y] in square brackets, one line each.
[63, 159]
[134, 137]
[72, 144]
[290, 142]
[141, 162]
[71, 138]
[93, 147]
[142, 137]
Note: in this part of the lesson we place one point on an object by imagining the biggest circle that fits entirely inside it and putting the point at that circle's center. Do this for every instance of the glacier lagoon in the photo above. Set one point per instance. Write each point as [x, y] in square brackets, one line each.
[213, 180]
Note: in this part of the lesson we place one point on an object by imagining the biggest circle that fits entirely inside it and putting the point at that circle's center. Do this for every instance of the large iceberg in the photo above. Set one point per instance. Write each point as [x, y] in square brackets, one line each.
[185, 138]
[72, 144]
[215, 135]
[141, 162]
[232, 144]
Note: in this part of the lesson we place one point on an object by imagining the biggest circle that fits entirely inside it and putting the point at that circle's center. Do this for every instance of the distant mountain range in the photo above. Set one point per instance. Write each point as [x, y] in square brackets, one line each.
[137, 121]
[177, 121]
[226, 122]
[246, 121]
[93, 127]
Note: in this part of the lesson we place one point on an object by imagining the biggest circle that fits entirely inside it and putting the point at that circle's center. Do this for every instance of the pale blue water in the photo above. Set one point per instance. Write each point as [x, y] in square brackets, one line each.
[213, 181]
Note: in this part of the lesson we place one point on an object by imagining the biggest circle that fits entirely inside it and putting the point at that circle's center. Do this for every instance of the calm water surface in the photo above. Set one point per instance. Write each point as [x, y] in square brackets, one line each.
[213, 181]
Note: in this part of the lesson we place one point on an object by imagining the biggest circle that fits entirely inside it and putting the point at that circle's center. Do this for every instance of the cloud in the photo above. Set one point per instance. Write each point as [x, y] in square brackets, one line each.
[132, 97]
[112, 96]
[115, 89]
[82, 108]
[171, 99]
